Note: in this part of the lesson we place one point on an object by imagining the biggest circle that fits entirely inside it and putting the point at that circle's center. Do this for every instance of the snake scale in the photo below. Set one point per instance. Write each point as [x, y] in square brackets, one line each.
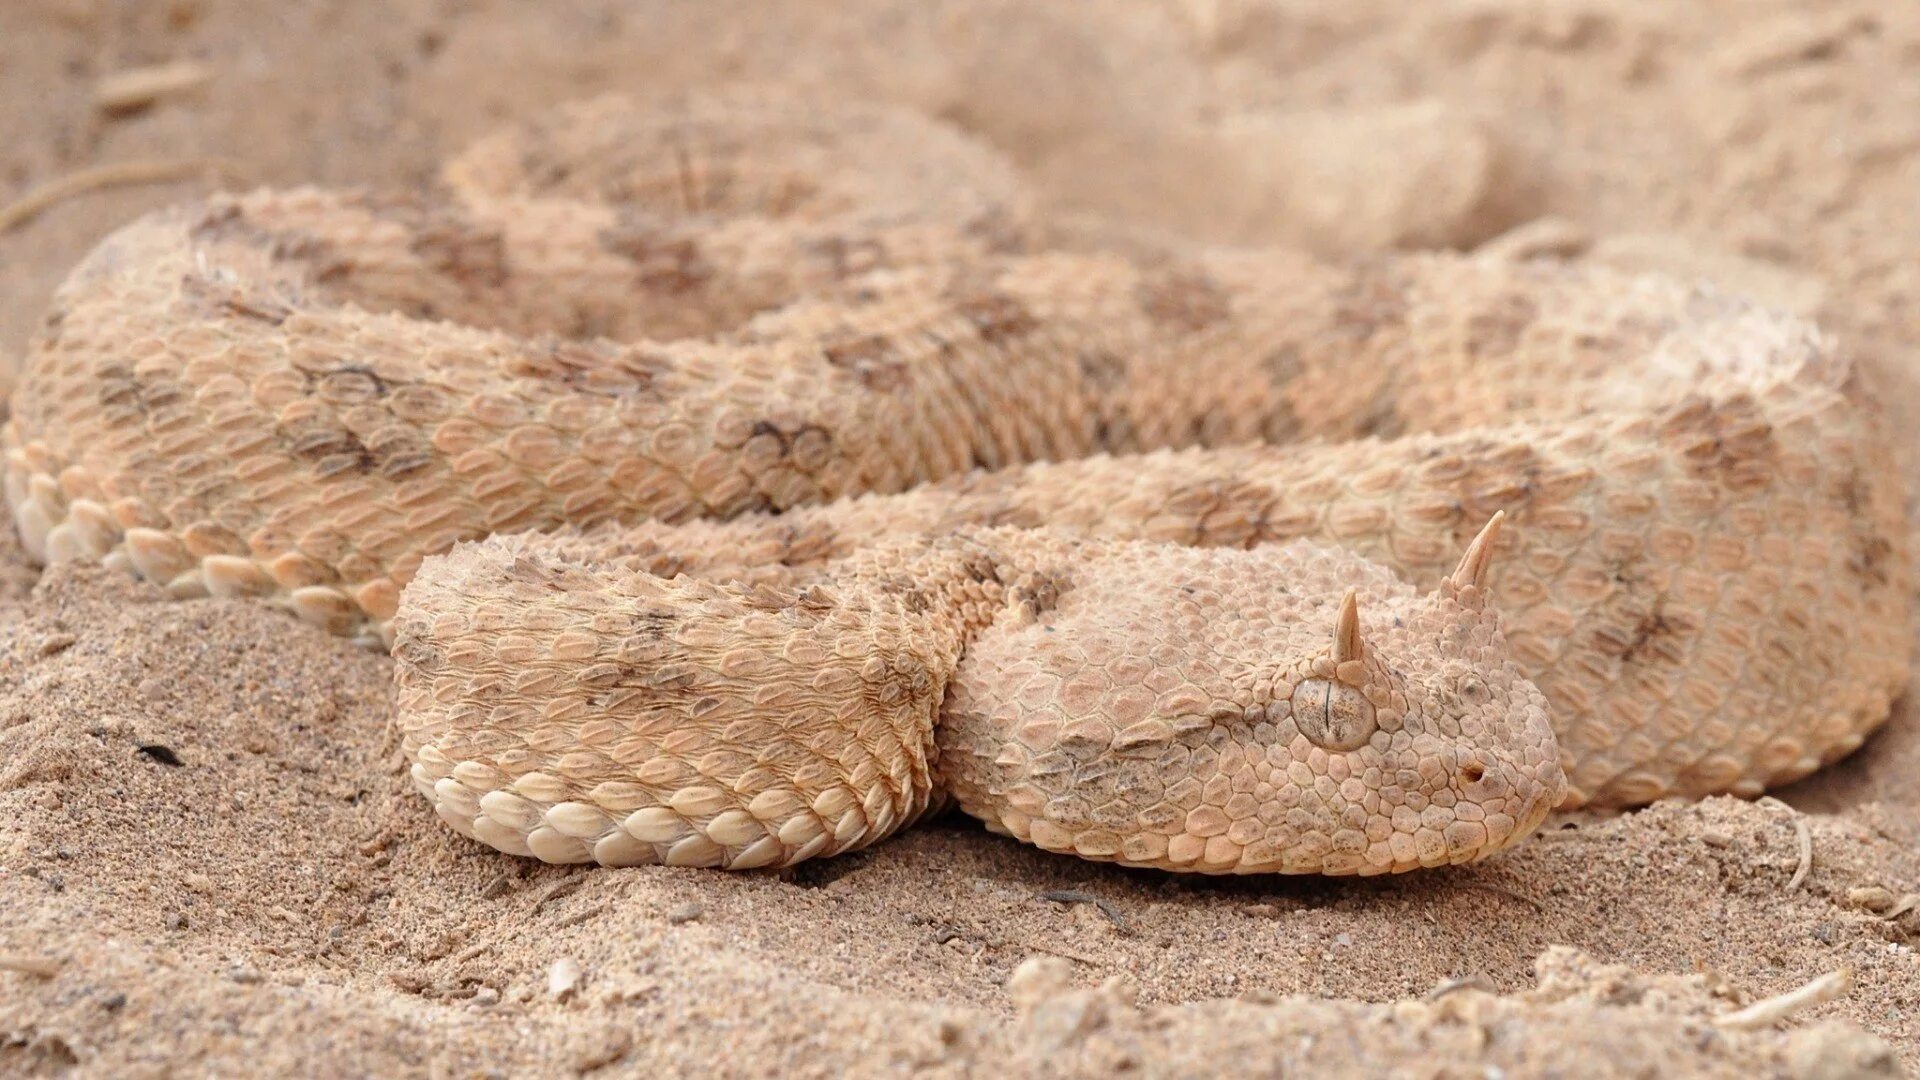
[737, 479]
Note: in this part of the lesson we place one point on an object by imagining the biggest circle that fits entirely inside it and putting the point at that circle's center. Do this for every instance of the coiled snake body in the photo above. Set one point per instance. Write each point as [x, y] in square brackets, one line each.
[1179, 561]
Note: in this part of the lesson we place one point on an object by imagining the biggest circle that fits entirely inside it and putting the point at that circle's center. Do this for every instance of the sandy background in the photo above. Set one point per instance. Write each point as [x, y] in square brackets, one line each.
[209, 861]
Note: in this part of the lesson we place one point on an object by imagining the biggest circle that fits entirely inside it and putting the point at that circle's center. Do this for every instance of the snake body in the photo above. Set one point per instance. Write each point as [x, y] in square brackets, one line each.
[1097, 517]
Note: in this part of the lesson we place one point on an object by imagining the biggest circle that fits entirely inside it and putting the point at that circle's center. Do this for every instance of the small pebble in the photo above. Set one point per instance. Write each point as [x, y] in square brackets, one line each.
[563, 978]
[54, 644]
[1874, 898]
[1835, 1051]
[686, 913]
[1037, 978]
[949, 1031]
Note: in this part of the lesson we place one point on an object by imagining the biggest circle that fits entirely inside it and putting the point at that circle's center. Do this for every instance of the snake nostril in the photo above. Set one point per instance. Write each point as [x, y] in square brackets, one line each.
[1471, 772]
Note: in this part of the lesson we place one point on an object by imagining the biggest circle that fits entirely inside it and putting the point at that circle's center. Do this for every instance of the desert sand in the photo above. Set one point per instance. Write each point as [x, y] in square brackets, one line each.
[210, 860]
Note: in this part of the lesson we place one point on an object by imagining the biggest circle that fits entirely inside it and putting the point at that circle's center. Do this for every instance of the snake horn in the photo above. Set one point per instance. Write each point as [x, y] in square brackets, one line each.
[1346, 631]
[1478, 561]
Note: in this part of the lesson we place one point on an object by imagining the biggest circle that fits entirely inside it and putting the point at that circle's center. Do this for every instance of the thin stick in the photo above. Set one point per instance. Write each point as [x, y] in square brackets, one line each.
[1803, 838]
[117, 174]
[1060, 951]
[40, 967]
[1768, 1011]
[135, 89]
[1074, 896]
[566, 886]
[1502, 890]
[579, 917]
[1476, 981]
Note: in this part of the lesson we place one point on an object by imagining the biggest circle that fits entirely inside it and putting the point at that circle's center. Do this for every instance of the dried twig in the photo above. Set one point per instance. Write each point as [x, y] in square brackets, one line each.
[137, 88]
[583, 915]
[1107, 907]
[566, 886]
[1476, 981]
[1502, 890]
[116, 174]
[1803, 840]
[40, 967]
[1054, 949]
[1768, 1011]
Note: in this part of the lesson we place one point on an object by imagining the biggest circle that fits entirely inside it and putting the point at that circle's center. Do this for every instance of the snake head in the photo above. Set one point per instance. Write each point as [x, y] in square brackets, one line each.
[1280, 710]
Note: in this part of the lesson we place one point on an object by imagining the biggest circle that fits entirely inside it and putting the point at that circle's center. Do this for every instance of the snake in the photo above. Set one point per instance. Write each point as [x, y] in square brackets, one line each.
[738, 478]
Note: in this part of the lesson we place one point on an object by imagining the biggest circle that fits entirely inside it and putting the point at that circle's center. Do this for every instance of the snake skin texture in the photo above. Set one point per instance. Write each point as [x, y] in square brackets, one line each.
[1191, 709]
[826, 491]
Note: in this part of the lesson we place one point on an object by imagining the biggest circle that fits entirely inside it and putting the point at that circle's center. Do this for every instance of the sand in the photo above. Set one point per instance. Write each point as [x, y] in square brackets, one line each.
[210, 863]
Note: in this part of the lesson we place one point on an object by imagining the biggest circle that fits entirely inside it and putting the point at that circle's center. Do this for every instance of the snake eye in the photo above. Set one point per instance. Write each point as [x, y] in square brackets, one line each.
[1333, 715]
